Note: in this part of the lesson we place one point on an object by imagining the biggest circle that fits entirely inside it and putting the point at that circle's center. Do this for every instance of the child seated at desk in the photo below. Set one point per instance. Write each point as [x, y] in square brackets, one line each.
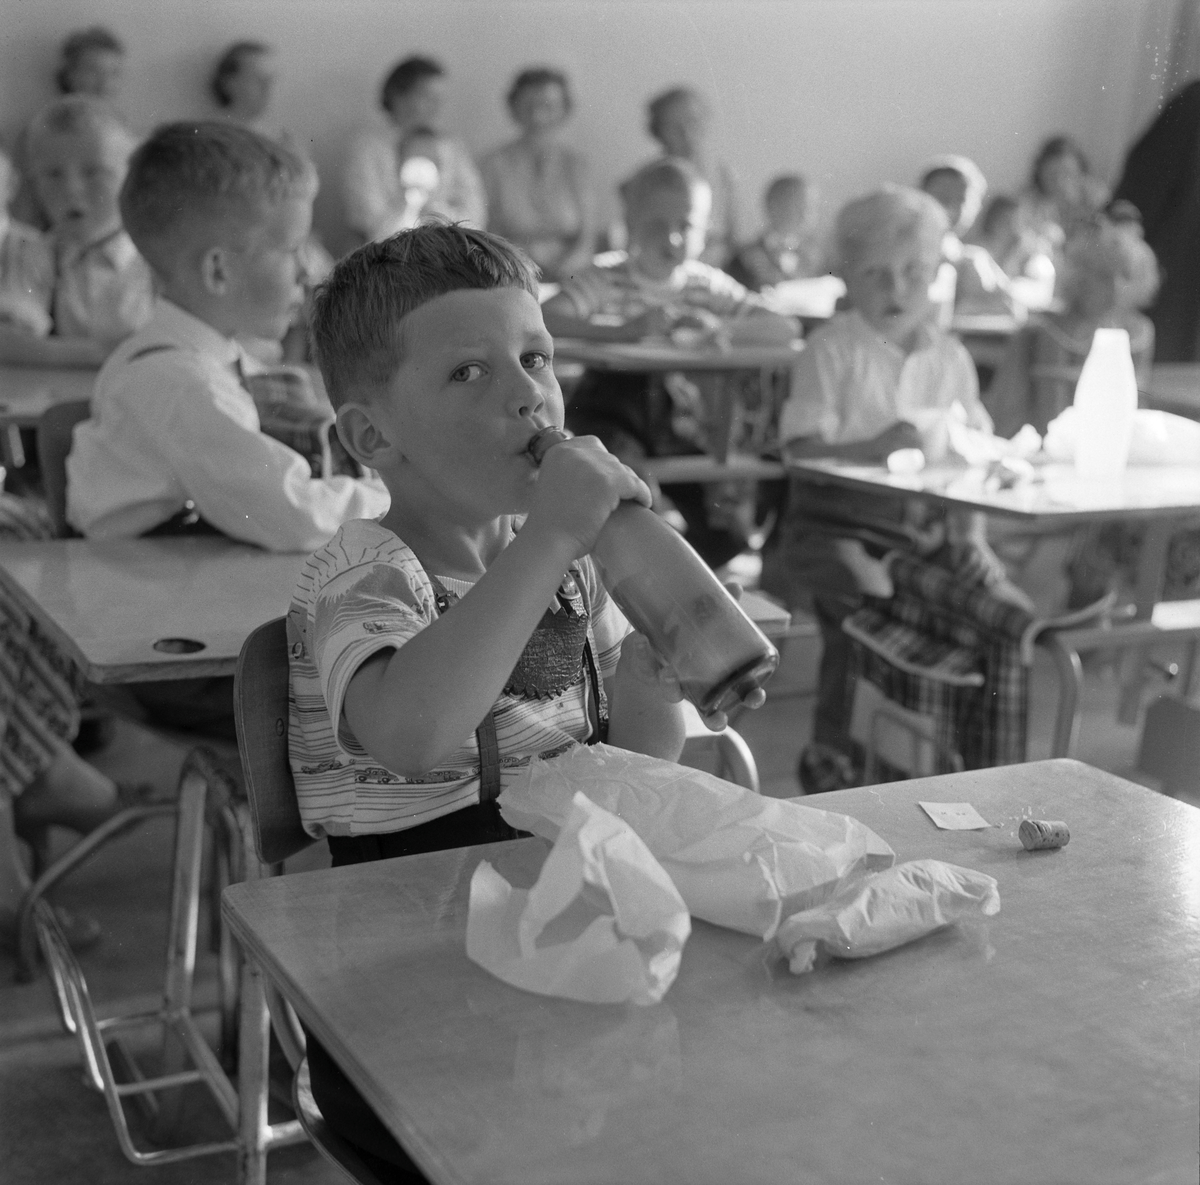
[660, 286]
[100, 288]
[863, 385]
[180, 415]
[789, 247]
[435, 652]
[26, 266]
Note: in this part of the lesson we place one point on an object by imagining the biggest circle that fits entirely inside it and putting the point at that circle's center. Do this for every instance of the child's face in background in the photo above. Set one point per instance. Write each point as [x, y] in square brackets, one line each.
[788, 212]
[475, 383]
[666, 230]
[97, 72]
[250, 88]
[77, 177]
[889, 282]
[683, 128]
[1061, 178]
[265, 280]
[949, 190]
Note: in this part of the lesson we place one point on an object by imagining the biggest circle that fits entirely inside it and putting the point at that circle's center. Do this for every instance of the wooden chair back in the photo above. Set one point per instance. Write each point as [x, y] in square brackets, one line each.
[260, 707]
[53, 445]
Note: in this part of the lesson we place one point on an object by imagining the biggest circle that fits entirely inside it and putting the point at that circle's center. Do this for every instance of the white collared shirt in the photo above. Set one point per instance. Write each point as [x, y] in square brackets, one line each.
[102, 290]
[175, 425]
[850, 383]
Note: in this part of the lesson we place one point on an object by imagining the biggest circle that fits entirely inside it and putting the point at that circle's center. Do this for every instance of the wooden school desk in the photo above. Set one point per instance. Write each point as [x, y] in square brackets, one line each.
[1159, 498]
[139, 610]
[1054, 1042]
[702, 365]
[28, 391]
[985, 335]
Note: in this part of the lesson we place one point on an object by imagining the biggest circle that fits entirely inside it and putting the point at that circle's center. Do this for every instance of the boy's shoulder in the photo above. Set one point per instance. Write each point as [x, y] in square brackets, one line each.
[363, 550]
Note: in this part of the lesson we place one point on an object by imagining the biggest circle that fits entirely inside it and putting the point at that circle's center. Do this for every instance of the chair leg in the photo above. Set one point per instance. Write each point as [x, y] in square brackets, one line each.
[737, 759]
[253, 1052]
[1070, 687]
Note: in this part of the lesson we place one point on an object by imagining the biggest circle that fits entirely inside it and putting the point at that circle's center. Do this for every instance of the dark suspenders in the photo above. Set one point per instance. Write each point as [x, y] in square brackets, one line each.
[485, 734]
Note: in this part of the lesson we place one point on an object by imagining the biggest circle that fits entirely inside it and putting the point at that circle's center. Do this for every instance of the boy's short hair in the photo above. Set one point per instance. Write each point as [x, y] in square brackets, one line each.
[670, 175]
[229, 64]
[81, 42]
[72, 114]
[358, 311]
[898, 211]
[536, 77]
[658, 107]
[192, 179]
[1119, 250]
[405, 75]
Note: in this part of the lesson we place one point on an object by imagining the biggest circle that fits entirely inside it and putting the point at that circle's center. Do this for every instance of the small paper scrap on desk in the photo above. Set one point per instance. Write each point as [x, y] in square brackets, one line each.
[954, 816]
[603, 924]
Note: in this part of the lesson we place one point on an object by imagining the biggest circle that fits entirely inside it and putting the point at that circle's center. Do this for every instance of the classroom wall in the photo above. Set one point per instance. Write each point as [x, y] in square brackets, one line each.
[849, 91]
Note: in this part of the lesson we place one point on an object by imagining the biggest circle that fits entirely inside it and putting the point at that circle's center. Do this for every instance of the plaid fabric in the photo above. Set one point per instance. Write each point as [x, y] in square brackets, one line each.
[290, 412]
[39, 697]
[24, 519]
[951, 626]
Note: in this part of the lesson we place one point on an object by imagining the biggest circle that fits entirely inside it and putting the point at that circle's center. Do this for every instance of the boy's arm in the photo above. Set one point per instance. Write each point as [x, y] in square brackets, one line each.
[645, 712]
[20, 348]
[412, 707]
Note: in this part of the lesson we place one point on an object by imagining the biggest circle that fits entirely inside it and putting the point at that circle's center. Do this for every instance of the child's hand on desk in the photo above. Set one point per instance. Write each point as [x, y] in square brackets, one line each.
[580, 483]
[654, 322]
[900, 435]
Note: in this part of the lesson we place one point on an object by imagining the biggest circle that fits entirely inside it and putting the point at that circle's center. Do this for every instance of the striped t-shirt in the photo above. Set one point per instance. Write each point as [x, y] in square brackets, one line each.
[363, 592]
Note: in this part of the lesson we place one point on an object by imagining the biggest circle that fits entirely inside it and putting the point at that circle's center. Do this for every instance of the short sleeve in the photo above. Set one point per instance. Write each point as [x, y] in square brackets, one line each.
[812, 406]
[371, 607]
[609, 627]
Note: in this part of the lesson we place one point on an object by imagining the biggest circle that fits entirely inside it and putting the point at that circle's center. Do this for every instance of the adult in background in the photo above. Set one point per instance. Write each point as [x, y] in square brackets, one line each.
[242, 84]
[378, 196]
[1062, 196]
[538, 190]
[1162, 179]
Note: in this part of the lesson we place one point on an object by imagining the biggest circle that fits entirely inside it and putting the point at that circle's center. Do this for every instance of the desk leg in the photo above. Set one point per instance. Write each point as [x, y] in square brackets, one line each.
[1152, 570]
[253, 1047]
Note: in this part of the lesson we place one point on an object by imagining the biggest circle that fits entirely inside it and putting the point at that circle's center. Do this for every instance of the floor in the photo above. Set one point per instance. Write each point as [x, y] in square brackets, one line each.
[55, 1130]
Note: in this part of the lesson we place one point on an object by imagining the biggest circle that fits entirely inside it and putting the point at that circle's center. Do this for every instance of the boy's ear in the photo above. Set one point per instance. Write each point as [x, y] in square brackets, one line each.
[362, 437]
[214, 271]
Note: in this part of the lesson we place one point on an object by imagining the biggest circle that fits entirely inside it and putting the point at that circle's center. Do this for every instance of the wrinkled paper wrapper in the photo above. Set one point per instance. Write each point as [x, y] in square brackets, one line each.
[885, 910]
[603, 923]
[738, 859]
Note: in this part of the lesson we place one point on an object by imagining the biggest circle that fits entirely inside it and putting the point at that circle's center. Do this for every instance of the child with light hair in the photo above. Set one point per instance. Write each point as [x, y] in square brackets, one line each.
[878, 377]
[184, 424]
[661, 286]
[789, 247]
[78, 151]
[1109, 274]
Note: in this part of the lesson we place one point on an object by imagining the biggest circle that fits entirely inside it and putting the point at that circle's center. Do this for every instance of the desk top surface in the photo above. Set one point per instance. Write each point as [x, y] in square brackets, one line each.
[1055, 493]
[28, 391]
[1054, 1042]
[110, 602]
[664, 355]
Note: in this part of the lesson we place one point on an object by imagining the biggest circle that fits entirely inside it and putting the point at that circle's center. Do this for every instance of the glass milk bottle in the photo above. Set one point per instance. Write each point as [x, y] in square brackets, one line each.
[670, 594]
[1105, 405]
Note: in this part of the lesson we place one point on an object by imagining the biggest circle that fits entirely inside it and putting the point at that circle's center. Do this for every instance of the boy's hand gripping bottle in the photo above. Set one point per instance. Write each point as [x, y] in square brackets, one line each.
[670, 594]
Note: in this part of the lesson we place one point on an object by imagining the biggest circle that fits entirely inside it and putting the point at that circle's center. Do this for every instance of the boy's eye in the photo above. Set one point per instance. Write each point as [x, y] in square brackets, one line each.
[535, 360]
[466, 373]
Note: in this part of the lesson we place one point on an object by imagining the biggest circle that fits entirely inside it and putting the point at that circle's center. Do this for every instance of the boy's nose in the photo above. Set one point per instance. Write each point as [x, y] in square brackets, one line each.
[526, 397]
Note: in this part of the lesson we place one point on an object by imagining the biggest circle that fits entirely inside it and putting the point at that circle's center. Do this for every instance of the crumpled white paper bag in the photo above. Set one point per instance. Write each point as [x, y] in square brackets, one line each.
[738, 859]
[603, 923]
[1159, 438]
[886, 909]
